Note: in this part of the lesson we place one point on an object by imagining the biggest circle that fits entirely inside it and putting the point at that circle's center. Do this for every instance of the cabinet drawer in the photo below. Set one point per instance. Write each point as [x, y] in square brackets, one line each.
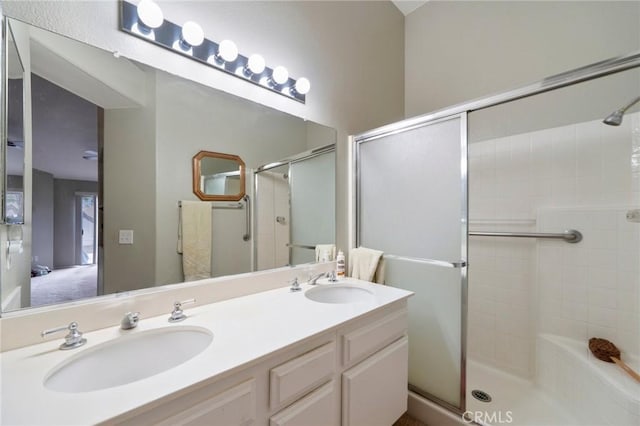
[320, 408]
[360, 343]
[295, 378]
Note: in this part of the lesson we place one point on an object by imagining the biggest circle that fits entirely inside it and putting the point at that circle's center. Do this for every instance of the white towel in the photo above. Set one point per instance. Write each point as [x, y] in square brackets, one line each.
[366, 264]
[194, 239]
[320, 248]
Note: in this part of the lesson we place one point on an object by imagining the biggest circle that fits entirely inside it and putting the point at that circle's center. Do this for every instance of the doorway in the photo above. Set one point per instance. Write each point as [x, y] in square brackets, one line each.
[87, 229]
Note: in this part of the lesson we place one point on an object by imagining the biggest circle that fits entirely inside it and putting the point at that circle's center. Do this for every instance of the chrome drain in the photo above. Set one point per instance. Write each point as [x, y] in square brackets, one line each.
[481, 395]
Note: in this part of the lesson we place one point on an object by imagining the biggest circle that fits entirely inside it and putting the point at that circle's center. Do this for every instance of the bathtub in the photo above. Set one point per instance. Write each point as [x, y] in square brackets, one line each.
[595, 392]
[570, 388]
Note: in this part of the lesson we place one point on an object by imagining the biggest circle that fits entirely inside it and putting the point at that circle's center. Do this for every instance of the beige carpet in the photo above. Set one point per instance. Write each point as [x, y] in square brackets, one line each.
[64, 285]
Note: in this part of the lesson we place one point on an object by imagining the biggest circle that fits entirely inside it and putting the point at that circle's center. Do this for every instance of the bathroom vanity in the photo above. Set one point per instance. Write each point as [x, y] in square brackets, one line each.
[311, 357]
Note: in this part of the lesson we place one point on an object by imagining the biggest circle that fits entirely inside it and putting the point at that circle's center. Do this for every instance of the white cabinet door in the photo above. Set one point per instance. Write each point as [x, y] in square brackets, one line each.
[319, 408]
[235, 406]
[374, 392]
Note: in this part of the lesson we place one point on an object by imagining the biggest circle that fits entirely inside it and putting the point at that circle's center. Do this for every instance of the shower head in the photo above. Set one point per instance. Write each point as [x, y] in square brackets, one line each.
[615, 118]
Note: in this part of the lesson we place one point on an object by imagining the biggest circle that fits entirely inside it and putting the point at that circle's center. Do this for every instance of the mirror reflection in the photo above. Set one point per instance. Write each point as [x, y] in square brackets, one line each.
[293, 221]
[14, 195]
[218, 177]
[113, 144]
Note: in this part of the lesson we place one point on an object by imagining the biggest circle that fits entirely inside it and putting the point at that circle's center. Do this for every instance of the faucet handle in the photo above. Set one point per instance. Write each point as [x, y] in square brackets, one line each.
[130, 320]
[295, 285]
[72, 340]
[178, 314]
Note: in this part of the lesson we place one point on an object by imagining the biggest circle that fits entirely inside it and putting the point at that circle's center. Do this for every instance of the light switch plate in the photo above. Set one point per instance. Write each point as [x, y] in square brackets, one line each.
[125, 236]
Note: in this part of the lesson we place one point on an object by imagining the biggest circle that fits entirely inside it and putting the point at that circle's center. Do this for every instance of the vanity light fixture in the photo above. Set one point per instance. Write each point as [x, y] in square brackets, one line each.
[255, 65]
[302, 86]
[279, 76]
[146, 21]
[227, 53]
[192, 34]
[149, 17]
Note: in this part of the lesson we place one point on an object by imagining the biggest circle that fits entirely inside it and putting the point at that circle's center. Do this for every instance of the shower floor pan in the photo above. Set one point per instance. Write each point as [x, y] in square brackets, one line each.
[513, 400]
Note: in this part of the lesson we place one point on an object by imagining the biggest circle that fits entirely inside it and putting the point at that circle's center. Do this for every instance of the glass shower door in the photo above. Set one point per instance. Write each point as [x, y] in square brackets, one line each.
[312, 185]
[411, 197]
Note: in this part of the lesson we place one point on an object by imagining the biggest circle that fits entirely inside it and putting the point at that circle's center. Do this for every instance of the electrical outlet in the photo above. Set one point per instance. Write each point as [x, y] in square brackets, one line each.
[125, 236]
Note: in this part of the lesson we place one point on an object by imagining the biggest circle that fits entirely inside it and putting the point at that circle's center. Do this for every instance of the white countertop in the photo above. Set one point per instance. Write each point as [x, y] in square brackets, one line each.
[245, 329]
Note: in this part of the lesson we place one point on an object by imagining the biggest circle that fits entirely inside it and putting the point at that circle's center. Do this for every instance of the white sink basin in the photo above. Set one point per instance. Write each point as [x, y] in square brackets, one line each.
[128, 359]
[339, 293]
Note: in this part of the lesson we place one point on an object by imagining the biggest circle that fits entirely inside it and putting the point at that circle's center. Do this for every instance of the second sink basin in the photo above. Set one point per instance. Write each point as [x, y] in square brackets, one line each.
[128, 359]
[339, 293]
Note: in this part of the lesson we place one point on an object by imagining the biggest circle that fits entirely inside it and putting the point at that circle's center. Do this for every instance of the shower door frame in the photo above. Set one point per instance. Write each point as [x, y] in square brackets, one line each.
[462, 264]
[569, 78]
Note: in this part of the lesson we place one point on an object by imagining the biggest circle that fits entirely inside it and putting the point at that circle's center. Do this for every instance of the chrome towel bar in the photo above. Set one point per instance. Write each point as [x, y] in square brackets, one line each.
[570, 235]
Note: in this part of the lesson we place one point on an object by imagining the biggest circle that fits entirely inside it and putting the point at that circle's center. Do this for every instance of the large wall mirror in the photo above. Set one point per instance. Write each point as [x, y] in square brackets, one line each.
[112, 147]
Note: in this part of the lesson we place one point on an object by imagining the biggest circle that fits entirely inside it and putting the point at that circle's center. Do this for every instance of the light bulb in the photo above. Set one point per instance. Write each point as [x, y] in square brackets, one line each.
[303, 86]
[256, 64]
[150, 14]
[280, 75]
[192, 33]
[227, 51]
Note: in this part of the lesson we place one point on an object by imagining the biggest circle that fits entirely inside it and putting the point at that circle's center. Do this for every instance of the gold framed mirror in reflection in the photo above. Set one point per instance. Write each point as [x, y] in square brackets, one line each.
[121, 122]
[218, 176]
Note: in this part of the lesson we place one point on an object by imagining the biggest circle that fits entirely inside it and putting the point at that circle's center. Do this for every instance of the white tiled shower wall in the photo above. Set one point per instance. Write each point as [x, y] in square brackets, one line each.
[587, 167]
[591, 289]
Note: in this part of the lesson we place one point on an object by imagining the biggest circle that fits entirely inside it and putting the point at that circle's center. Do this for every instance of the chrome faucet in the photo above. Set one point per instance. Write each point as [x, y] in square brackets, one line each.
[314, 278]
[295, 285]
[178, 314]
[72, 340]
[130, 320]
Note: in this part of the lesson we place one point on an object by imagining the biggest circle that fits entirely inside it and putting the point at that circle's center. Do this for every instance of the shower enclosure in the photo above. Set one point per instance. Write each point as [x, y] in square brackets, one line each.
[548, 246]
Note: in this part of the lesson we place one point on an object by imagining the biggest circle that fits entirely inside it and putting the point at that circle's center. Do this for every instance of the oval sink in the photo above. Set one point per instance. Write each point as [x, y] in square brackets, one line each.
[339, 293]
[128, 359]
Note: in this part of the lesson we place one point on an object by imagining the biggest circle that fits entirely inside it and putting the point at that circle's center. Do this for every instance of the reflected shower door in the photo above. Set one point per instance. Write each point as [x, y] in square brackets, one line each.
[312, 185]
[411, 196]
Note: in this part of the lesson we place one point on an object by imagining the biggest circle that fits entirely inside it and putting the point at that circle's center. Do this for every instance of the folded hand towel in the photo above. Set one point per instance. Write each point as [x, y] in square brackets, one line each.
[320, 248]
[366, 264]
[194, 240]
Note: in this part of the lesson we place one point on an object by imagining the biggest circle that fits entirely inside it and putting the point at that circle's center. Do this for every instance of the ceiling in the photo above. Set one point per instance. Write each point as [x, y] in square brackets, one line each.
[407, 6]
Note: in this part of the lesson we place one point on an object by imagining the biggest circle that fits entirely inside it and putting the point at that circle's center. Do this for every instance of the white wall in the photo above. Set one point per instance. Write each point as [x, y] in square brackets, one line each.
[460, 50]
[43, 214]
[130, 194]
